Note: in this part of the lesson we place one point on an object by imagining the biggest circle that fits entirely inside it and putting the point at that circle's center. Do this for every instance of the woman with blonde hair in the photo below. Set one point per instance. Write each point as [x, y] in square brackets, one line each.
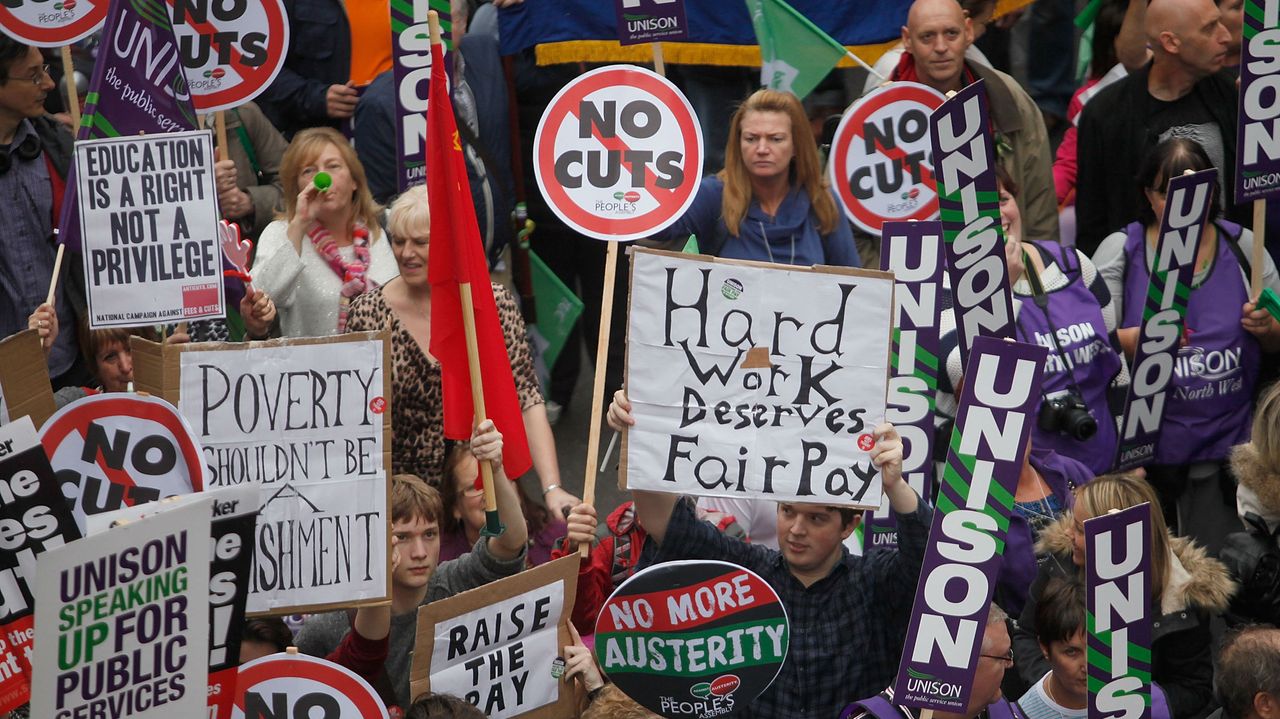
[403, 306]
[328, 248]
[771, 201]
[1188, 588]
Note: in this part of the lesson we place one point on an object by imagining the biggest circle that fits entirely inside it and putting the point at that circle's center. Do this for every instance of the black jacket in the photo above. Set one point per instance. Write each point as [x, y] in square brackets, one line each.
[1113, 140]
[319, 56]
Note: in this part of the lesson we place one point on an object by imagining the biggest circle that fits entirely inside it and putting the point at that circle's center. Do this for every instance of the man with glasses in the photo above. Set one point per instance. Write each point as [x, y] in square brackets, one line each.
[985, 698]
[35, 154]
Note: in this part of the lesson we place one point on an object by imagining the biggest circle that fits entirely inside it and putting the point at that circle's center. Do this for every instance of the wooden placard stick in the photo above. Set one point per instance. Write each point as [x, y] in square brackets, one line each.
[73, 96]
[597, 394]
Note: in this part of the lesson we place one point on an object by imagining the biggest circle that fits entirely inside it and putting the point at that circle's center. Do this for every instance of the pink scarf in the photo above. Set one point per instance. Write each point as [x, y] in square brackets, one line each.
[353, 273]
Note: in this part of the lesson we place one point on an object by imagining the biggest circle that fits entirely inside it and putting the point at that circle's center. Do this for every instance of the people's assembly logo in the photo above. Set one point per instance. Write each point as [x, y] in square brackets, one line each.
[710, 699]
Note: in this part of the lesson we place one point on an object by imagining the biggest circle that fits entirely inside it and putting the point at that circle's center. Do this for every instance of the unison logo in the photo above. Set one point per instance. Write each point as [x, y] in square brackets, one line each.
[932, 687]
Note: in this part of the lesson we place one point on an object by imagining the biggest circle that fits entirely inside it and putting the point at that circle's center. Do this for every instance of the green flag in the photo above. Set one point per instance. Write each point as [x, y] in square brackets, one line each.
[795, 54]
[557, 308]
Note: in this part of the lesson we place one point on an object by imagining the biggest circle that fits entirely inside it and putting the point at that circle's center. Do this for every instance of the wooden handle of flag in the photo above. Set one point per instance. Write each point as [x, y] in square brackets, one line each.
[1259, 247]
[73, 97]
[659, 64]
[492, 524]
[597, 394]
[53, 281]
[220, 129]
[433, 22]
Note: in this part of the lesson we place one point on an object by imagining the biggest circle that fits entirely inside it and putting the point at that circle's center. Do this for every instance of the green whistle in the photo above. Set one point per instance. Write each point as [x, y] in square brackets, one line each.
[1270, 302]
[322, 181]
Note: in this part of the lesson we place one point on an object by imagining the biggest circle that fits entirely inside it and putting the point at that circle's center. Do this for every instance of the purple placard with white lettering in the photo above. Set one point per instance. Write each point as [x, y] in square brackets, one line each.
[1186, 208]
[969, 207]
[1258, 133]
[1117, 550]
[912, 251]
[642, 21]
[411, 62]
[970, 523]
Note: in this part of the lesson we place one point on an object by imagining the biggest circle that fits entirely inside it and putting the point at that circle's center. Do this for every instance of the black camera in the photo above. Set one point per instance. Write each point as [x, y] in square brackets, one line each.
[1067, 414]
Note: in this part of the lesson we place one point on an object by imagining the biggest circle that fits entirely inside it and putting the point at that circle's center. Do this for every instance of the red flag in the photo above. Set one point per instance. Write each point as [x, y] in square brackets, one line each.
[457, 257]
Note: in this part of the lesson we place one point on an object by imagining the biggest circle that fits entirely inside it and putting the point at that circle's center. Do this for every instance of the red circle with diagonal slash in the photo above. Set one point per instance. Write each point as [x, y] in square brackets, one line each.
[134, 412]
[907, 202]
[52, 23]
[298, 674]
[262, 28]
[614, 213]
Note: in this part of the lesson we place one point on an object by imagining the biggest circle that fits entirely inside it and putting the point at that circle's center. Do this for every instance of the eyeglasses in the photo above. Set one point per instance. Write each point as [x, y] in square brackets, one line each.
[1006, 658]
[37, 76]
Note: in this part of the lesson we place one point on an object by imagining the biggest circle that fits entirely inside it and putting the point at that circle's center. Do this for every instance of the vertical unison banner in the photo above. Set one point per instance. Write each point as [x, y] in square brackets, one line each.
[967, 538]
[1117, 548]
[1258, 132]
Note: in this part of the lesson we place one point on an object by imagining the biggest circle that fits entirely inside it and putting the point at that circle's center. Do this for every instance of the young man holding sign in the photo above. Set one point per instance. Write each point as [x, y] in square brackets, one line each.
[417, 580]
[833, 599]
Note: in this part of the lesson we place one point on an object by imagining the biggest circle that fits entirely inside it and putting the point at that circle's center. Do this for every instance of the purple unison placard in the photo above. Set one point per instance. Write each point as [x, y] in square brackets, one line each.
[969, 207]
[411, 61]
[1186, 208]
[1258, 132]
[966, 539]
[1117, 550]
[642, 21]
[913, 252]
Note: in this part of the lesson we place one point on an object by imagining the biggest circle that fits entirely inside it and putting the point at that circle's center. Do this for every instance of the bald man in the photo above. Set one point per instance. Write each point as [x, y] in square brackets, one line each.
[935, 39]
[1182, 92]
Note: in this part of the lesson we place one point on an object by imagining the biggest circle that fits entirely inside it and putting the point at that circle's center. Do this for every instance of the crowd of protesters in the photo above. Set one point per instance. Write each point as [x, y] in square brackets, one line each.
[1084, 165]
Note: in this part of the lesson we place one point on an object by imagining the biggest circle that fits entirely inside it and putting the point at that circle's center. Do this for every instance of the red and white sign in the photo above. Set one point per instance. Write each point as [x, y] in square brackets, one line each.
[293, 685]
[231, 49]
[618, 154]
[52, 24]
[116, 450]
[881, 165]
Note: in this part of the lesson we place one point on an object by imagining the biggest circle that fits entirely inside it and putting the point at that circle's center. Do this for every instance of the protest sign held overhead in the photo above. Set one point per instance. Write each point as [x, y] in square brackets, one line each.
[308, 423]
[912, 251]
[153, 206]
[881, 164]
[411, 57]
[495, 646]
[44, 25]
[230, 50]
[1164, 307]
[964, 163]
[650, 21]
[970, 524]
[1258, 144]
[234, 512]
[122, 621]
[755, 380]
[618, 153]
[296, 685]
[33, 519]
[693, 638]
[114, 450]
[1117, 548]
[24, 379]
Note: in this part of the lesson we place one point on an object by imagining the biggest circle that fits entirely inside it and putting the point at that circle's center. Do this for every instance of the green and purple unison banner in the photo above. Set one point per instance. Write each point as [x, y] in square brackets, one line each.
[1189, 199]
[912, 251]
[1117, 549]
[964, 166]
[1258, 143]
[693, 639]
[967, 538]
[411, 57]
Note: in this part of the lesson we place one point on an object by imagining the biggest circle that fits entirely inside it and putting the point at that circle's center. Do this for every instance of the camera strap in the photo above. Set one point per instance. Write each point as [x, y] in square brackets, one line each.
[1042, 301]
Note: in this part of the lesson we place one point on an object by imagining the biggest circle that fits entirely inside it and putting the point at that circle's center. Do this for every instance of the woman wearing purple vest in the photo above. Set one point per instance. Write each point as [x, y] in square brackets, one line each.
[1209, 404]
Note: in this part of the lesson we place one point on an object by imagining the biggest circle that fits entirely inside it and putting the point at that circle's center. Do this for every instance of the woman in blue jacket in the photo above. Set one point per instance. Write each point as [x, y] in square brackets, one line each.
[771, 202]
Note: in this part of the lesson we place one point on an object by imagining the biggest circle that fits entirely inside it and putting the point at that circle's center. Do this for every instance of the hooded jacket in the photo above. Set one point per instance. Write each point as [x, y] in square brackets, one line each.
[1196, 588]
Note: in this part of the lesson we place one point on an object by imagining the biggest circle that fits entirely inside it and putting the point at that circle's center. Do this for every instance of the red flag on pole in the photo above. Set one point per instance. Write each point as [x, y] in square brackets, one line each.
[458, 261]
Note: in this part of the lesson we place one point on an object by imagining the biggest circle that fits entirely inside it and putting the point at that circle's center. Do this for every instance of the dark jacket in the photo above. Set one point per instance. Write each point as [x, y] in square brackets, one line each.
[57, 144]
[1113, 140]
[319, 56]
[1197, 588]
